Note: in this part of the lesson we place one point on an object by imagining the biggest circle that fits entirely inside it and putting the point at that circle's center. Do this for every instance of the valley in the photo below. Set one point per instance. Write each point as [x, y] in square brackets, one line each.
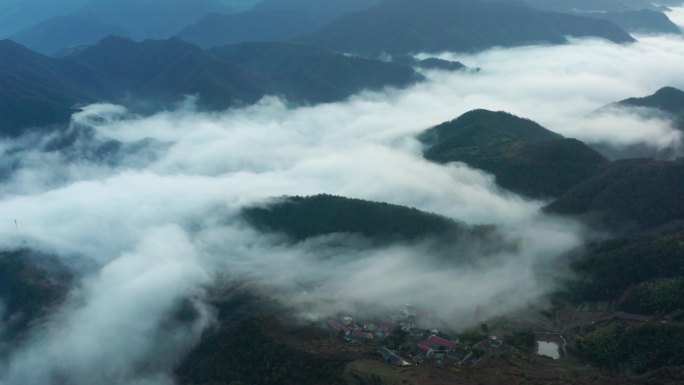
[385, 192]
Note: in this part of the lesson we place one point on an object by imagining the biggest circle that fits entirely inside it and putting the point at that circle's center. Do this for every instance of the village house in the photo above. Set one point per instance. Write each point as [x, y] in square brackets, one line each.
[338, 326]
[384, 329]
[365, 336]
[425, 350]
[439, 343]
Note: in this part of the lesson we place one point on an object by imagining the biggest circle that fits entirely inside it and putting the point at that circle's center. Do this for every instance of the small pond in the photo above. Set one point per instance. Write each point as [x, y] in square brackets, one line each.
[549, 349]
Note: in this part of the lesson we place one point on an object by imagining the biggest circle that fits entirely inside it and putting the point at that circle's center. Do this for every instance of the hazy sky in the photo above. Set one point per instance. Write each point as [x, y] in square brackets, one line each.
[159, 220]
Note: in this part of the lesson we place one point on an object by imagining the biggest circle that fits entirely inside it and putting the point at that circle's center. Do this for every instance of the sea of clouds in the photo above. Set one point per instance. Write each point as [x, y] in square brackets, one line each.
[152, 204]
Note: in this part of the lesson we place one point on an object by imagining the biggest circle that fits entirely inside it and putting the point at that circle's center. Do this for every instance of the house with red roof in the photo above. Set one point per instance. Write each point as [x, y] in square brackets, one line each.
[361, 334]
[439, 343]
[338, 326]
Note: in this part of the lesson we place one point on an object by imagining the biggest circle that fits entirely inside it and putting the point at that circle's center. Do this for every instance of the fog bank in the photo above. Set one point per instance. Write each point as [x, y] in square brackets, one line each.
[153, 203]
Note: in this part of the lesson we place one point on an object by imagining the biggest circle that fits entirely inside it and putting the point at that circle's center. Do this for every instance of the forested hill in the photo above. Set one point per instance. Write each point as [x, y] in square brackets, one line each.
[636, 194]
[524, 156]
[482, 128]
[593, 5]
[250, 26]
[34, 90]
[269, 20]
[31, 285]
[626, 195]
[407, 26]
[667, 99]
[321, 11]
[667, 102]
[305, 217]
[38, 90]
[639, 16]
[639, 21]
[303, 73]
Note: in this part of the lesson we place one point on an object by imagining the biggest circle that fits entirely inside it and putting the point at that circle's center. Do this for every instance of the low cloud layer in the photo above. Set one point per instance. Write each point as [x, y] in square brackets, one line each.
[152, 203]
[563, 86]
[676, 14]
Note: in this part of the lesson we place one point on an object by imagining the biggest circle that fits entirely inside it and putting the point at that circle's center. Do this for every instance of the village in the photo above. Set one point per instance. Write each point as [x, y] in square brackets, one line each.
[402, 342]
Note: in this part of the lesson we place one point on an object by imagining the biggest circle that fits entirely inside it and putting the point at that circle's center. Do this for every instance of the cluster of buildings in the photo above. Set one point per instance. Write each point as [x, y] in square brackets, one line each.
[355, 333]
[419, 345]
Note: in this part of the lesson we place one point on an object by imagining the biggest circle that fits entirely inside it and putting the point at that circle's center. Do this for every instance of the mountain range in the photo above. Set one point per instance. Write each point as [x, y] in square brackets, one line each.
[35, 90]
[638, 21]
[39, 90]
[633, 194]
[362, 27]
[250, 26]
[405, 26]
[667, 99]
[321, 11]
[31, 286]
[628, 195]
[16, 15]
[270, 20]
[639, 16]
[96, 19]
[402, 26]
[595, 5]
[313, 75]
[232, 53]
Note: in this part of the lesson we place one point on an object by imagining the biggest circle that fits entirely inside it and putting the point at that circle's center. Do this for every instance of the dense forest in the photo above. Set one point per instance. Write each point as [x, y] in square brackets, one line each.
[39, 90]
[613, 267]
[630, 194]
[642, 348]
[524, 156]
[305, 217]
[31, 285]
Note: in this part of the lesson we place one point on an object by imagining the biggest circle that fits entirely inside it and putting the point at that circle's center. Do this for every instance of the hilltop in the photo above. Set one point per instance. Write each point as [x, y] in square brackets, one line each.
[524, 156]
[666, 99]
[301, 218]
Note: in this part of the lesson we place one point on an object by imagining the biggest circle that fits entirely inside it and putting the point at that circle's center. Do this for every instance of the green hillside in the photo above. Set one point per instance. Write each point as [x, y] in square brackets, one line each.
[37, 90]
[667, 99]
[300, 72]
[524, 156]
[407, 26]
[636, 194]
[30, 286]
[305, 217]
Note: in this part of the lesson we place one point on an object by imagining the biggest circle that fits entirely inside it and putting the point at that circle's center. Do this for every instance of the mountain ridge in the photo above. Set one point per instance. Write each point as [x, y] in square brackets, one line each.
[40, 90]
[404, 26]
[523, 156]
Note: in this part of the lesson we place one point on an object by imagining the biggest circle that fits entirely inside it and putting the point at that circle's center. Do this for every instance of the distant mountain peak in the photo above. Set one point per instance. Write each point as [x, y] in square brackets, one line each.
[480, 126]
[11, 45]
[667, 99]
[408, 26]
